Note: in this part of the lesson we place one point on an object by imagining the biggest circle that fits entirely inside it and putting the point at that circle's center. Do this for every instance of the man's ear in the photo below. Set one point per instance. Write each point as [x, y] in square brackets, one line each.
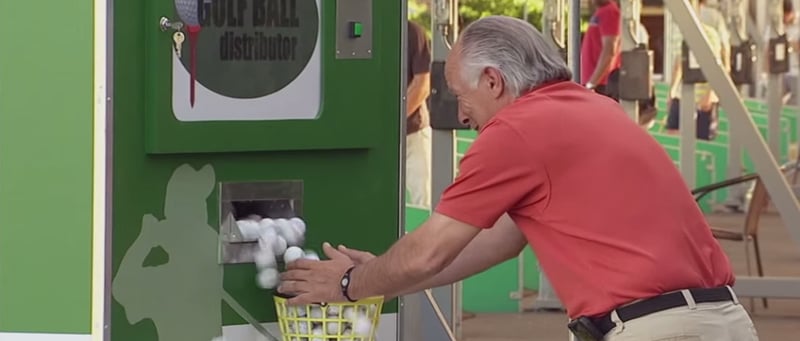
[494, 81]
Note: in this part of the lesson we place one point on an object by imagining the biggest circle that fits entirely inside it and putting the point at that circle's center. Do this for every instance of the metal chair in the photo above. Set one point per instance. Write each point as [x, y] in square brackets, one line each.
[749, 233]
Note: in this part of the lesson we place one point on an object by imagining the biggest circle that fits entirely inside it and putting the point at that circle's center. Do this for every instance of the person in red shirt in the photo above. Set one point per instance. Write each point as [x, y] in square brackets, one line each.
[600, 48]
[564, 170]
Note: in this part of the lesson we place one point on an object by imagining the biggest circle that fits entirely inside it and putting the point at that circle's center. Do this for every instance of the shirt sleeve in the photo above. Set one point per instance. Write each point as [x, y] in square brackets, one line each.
[419, 50]
[610, 23]
[498, 174]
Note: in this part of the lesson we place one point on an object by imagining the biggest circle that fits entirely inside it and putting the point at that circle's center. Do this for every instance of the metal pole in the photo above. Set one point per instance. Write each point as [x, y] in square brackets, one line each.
[553, 23]
[631, 10]
[775, 83]
[525, 10]
[424, 321]
[759, 11]
[574, 44]
[456, 292]
[687, 127]
[666, 68]
[553, 30]
[688, 132]
[737, 12]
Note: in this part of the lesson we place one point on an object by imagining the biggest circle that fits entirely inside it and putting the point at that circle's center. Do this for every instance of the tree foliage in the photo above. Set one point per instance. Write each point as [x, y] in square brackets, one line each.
[471, 10]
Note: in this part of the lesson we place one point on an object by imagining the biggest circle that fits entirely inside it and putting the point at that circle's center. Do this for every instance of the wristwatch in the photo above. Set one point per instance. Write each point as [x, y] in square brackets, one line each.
[345, 284]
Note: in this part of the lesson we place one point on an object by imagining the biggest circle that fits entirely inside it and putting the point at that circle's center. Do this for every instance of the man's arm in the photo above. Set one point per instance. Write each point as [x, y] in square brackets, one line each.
[677, 63]
[418, 91]
[490, 184]
[726, 58]
[415, 258]
[419, 63]
[725, 52]
[610, 30]
[610, 49]
[490, 247]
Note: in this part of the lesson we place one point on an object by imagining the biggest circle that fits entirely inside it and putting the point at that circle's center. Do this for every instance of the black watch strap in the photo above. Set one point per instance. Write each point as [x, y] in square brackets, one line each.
[345, 284]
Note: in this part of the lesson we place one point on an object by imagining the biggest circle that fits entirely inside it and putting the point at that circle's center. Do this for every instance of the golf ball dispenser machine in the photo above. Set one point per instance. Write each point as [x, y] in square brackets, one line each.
[232, 110]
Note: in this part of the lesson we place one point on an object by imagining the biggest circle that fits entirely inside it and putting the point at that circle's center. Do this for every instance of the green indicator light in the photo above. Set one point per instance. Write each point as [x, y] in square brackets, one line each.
[356, 29]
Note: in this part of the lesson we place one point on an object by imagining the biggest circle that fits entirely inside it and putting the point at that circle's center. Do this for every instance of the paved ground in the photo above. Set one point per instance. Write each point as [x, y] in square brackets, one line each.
[781, 322]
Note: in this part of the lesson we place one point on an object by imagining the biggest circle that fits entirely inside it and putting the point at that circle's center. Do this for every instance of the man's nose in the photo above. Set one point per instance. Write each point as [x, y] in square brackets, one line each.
[463, 119]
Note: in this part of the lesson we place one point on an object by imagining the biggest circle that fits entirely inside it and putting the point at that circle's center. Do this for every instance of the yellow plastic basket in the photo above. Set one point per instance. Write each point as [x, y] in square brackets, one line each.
[329, 322]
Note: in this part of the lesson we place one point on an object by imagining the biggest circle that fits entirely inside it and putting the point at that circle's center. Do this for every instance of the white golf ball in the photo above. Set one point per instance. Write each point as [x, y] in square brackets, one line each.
[266, 222]
[248, 228]
[348, 333]
[292, 254]
[332, 328]
[267, 231]
[299, 225]
[267, 242]
[362, 325]
[316, 313]
[288, 232]
[279, 245]
[311, 255]
[349, 313]
[319, 333]
[333, 311]
[265, 259]
[301, 311]
[280, 223]
[302, 328]
[268, 278]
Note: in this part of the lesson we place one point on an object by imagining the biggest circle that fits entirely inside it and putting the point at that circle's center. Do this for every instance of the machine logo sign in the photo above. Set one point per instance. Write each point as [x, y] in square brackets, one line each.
[247, 60]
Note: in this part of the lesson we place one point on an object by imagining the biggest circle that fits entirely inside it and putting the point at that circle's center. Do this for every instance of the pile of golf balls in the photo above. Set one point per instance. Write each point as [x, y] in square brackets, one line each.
[324, 323]
[277, 239]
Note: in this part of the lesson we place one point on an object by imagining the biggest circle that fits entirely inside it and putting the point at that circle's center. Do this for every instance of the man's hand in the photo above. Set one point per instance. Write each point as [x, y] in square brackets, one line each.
[418, 91]
[358, 257]
[312, 281]
[707, 102]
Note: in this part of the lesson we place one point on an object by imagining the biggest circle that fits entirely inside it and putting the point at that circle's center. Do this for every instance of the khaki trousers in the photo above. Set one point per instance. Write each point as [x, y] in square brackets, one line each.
[418, 168]
[717, 321]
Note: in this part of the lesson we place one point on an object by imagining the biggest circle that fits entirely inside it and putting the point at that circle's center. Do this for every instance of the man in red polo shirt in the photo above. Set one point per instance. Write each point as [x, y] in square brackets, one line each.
[564, 170]
[600, 48]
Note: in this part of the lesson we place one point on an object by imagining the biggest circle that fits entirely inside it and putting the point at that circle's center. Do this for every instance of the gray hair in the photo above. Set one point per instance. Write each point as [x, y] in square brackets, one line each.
[523, 56]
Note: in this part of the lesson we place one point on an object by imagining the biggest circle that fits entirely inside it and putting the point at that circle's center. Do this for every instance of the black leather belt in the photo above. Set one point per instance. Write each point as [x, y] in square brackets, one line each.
[660, 303]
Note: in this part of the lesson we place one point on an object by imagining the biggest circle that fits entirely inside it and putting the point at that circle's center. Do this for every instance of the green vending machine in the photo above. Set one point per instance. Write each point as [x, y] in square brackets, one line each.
[229, 109]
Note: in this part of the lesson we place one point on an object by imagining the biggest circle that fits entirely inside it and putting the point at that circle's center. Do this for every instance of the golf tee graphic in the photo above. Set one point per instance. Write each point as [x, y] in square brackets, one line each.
[187, 11]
